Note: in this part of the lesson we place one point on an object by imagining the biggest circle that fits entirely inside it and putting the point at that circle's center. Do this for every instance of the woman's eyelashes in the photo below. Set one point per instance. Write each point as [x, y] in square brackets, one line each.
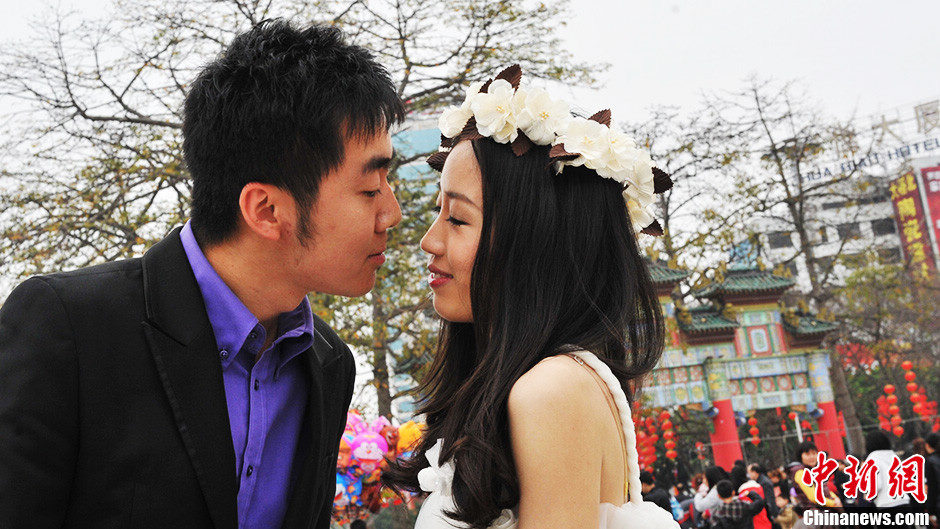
[451, 219]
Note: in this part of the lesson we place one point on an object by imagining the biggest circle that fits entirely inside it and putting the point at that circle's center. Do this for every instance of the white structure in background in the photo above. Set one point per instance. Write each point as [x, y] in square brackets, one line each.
[849, 223]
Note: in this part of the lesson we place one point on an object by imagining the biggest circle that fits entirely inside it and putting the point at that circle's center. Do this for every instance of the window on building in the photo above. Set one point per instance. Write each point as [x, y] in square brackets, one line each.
[791, 266]
[823, 264]
[779, 239]
[823, 234]
[849, 230]
[884, 226]
[889, 255]
[855, 260]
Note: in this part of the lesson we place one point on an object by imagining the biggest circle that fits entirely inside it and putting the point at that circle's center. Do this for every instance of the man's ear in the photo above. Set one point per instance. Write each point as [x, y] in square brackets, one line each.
[267, 210]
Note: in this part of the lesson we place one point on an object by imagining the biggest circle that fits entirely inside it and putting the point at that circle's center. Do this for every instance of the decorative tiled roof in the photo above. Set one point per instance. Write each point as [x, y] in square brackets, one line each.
[704, 319]
[663, 274]
[743, 281]
[799, 323]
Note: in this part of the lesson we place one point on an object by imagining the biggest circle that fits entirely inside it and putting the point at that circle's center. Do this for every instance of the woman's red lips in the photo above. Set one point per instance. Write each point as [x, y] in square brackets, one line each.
[438, 277]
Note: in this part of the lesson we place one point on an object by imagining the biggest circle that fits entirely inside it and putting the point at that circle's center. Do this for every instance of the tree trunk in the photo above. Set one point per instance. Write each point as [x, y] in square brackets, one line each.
[380, 359]
[845, 404]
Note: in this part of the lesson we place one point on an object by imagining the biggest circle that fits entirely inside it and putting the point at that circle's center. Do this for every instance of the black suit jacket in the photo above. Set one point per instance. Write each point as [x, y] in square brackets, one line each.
[112, 406]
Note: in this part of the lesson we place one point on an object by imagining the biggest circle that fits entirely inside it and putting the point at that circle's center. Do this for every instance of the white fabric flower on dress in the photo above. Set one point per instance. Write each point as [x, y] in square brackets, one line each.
[540, 117]
[494, 112]
[437, 477]
[506, 520]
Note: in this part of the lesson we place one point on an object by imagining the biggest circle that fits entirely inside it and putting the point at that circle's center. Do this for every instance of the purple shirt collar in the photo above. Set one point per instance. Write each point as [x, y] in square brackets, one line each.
[232, 323]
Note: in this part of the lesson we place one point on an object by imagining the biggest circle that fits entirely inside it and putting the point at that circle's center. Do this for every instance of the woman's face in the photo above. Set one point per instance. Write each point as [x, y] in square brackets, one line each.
[452, 239]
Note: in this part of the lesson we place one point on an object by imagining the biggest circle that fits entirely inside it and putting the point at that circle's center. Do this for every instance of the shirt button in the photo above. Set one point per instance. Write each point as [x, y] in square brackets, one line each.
[257, 384]
[223, 354]
[249, 471]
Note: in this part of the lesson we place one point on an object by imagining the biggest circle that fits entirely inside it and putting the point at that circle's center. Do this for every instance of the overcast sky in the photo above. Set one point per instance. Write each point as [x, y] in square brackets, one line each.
[861, 56]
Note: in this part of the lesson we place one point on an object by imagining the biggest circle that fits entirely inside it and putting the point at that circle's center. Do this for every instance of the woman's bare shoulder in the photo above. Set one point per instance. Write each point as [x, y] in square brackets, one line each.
[557, 385]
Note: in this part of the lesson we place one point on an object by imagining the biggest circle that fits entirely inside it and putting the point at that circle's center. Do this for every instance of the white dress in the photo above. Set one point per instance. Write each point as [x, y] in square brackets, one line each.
[634, 514]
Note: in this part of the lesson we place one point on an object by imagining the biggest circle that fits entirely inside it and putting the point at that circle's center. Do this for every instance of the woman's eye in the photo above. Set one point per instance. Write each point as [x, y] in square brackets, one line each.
[455, 222]
[373, 193]
[436, 209]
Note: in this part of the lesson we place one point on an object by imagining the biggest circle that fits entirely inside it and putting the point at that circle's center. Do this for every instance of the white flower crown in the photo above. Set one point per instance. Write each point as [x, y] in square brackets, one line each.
[500, 110]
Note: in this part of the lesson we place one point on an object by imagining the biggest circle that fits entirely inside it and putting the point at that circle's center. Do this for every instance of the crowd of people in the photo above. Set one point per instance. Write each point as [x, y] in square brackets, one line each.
[752, 496]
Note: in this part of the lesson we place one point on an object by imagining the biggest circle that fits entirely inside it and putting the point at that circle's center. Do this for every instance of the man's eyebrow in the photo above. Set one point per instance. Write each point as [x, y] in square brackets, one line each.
[457, 196]
[377, 163]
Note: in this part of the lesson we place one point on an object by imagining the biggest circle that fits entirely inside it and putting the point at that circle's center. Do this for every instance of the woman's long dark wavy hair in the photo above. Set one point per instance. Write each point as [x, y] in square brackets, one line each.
[557, 269]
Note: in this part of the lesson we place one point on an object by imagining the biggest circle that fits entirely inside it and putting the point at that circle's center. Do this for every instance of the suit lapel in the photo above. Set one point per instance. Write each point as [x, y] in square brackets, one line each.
[303, 504]
[184, 350]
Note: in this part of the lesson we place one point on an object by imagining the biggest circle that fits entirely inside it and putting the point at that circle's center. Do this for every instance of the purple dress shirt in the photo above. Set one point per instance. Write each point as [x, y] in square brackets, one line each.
[266, 393]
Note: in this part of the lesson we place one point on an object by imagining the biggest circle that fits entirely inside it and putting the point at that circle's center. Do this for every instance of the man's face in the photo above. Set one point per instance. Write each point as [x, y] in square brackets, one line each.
[354, 208]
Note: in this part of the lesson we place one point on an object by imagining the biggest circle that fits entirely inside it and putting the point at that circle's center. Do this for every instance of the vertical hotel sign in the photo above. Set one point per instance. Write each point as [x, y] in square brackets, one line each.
[910, 216]
[930, 183]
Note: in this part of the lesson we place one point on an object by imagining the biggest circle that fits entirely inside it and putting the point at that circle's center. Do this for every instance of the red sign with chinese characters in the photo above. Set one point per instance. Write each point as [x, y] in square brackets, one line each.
[910, 217]
[930, 179]
[904, 477]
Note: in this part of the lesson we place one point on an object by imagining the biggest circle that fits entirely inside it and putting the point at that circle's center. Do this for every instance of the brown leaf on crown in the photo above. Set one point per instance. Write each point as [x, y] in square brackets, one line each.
[436, 160]
[469, 129]
[558, 152]
[602, 117]
[446, 142]
[521, 144]
[512, 74]
[661, 180]
[653, 229]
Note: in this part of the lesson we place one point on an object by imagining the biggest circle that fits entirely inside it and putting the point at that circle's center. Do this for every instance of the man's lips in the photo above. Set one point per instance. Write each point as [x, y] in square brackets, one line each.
[378, 257]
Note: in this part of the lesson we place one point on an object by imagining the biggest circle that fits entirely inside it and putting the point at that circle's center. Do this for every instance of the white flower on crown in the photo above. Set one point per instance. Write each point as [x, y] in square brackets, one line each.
[587, 138]
[455, 118]
[540, 117]
[494, 112]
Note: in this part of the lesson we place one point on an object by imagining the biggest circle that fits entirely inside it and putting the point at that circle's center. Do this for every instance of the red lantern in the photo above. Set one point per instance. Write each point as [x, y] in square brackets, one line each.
[894, 410]
[671, 454]
[898, 431]
[653, 438]
[919, 409]
[889, 389]
[755, 441]
[664, 416]
[805, 425]
[906, 365]
[783, 426]
[752, 421]
[896, 421]
[667, 425]
[668, 434]
[792, 415]
[912, 387]
[753, 431]
[892, 399]
[910, 376]
[699, 445]
[670, 445]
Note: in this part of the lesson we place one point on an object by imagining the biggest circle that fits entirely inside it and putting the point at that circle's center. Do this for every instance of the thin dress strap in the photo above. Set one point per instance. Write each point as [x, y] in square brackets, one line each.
[617, 400]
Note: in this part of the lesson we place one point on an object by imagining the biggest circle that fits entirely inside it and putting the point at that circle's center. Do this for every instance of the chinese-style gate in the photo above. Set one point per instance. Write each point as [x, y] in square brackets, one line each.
[740, 351]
